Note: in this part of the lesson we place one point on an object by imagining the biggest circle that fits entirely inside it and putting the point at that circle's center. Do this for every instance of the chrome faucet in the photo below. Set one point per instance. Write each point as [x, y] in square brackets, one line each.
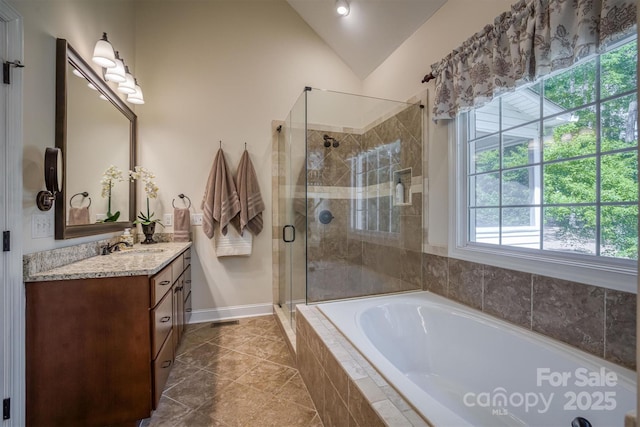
[107, 249]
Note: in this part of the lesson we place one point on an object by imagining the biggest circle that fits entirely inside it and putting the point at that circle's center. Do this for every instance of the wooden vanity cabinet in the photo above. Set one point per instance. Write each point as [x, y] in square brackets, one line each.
[99, 351]
[88, 350]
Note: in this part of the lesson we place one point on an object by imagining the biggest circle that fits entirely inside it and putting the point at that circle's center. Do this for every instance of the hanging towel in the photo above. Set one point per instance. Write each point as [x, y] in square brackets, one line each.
[251, 204]
[181, 224]
[220, 202]
[79, 216]
[233, 244]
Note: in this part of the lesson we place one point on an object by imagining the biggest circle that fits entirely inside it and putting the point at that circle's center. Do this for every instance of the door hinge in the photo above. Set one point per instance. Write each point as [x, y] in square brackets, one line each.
[6, 409]
[6, 241]
[6, 70]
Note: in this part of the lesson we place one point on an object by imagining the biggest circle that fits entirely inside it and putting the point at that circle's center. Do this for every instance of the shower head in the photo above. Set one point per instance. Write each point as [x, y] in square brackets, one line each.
[329, 140]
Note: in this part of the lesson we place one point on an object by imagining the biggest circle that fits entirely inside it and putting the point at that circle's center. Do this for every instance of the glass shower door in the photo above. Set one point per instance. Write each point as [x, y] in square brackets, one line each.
[294, 276]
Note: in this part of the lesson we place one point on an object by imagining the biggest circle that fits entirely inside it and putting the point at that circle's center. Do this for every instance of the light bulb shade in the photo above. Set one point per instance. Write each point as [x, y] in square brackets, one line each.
[136, 98]
[128, 86]
[342, 7]
[103, 53]
[116, 74]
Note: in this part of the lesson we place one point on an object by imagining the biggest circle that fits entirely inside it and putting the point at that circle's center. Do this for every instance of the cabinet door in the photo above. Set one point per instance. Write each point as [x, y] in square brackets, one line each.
[188, 308]
[187, 281]
[178, 311]
[88, 352]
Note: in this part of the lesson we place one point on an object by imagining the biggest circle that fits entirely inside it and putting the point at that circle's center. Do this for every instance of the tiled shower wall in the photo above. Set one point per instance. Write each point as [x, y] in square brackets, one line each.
[371, 246]
[597, 320]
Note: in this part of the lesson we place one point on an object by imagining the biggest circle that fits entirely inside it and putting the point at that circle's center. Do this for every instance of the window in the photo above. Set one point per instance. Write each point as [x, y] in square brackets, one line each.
[372, 183]
[549, 173]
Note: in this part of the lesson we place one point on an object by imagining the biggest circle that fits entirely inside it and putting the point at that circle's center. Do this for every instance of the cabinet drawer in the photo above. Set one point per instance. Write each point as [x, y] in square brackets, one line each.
[161, 368]
[160, 285]
[161, 322]
[177, 266]
[187, 280]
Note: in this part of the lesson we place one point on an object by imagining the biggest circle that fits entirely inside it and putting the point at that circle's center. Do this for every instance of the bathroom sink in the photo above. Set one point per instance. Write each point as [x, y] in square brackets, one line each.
[140, 251]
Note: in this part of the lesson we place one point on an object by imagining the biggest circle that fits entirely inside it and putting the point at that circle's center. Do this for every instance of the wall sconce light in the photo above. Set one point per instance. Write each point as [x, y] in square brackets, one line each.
[136, 98]
[342, 7]
[52, 178]
[116, 71]
[116, 74]
[129, 85]
[103, 53]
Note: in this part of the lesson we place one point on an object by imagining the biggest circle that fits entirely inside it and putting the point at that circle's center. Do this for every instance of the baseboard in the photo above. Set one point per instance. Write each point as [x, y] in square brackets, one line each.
[235, 312]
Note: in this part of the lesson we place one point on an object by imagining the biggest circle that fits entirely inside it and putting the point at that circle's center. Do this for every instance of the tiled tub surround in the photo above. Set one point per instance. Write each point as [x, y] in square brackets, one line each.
[345, 388]
[597, 320]
[141, 260]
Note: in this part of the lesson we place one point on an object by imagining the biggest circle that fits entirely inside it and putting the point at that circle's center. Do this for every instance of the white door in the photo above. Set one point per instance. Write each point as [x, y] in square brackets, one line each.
[12, 300]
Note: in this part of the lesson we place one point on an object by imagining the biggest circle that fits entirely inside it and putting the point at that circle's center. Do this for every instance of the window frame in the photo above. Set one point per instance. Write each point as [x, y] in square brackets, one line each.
[607, 272]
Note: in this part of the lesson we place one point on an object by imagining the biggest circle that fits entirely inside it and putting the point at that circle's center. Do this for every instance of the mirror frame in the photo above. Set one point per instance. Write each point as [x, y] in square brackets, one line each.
[66, 55]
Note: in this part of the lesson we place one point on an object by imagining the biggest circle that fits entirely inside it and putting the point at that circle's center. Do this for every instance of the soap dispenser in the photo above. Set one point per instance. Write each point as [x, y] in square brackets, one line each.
[399, 192]
[127, 237]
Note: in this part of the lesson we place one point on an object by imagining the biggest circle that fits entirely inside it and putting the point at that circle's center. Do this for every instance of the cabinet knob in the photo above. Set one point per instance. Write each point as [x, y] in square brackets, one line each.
[165, 364]
[188, 310]
[165, 319]
[165, 282]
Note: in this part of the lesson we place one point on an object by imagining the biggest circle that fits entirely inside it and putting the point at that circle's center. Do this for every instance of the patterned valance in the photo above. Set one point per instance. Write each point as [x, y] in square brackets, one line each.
[534, 39]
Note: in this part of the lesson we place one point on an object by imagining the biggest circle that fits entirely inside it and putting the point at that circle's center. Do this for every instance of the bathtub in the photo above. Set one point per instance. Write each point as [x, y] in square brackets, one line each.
[460, 367]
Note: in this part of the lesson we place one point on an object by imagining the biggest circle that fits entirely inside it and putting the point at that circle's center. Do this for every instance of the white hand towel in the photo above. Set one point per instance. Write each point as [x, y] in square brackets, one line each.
[233, 244]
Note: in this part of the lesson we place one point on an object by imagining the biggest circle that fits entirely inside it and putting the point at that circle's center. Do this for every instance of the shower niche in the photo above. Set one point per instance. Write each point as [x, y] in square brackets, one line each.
[339, 159]
[401, 187]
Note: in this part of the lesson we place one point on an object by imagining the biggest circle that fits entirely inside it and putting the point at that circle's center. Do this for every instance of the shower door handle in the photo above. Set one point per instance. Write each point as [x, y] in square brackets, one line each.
[284, 233]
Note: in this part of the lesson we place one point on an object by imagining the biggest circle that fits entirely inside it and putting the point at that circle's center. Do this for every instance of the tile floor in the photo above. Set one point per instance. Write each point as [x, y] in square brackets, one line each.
[234, 374]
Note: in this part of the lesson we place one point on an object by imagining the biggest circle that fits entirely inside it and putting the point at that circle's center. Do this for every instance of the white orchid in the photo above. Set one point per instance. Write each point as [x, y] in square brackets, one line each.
[150, 187]
[111, 175]
[146, 176]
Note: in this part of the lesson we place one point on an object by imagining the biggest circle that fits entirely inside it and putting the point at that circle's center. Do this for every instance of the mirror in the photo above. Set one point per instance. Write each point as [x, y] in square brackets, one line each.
[96, 132]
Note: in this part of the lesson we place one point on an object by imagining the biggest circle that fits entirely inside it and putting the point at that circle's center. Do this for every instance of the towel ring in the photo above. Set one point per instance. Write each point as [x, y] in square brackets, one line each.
[182, 196]
[83, 194]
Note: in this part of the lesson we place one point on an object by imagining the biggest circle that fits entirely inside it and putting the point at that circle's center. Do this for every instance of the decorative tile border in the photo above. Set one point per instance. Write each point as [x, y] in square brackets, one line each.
[343, 384]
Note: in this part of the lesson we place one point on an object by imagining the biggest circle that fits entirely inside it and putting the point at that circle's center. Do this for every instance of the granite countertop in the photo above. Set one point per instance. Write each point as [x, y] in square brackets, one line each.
[141, 260]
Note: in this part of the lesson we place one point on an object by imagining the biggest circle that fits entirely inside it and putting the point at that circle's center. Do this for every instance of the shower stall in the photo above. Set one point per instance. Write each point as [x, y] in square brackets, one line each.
[347, 199]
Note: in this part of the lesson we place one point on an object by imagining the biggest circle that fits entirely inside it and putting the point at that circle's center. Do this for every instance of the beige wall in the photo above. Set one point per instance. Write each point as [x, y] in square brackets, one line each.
[82, 24]
[223, 70]
[400, 76]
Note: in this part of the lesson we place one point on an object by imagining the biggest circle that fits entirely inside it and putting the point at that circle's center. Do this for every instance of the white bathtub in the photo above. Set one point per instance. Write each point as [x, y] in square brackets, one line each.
[459, 367]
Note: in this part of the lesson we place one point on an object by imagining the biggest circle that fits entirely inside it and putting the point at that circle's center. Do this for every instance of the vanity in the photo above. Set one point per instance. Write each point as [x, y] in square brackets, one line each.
[101, 335]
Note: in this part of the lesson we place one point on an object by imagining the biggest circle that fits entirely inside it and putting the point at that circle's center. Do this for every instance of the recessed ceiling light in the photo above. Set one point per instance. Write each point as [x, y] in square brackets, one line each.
[342, 7]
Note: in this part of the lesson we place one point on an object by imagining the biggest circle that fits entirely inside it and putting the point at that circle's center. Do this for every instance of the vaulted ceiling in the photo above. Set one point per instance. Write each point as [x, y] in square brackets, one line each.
[372, 30]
